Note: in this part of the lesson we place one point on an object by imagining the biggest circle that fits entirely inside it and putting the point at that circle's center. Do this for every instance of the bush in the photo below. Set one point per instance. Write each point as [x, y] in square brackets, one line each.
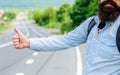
[66, 27]
[37, 16]
[3, 27]
[63, 13]
[92, 11]
[44, 17]
[8, 16]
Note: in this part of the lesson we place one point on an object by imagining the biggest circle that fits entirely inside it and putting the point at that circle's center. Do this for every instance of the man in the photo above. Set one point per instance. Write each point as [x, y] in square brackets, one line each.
[102, 54]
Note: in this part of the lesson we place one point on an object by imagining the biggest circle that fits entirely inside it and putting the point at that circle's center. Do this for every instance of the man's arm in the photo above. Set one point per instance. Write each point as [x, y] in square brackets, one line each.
[73, 38]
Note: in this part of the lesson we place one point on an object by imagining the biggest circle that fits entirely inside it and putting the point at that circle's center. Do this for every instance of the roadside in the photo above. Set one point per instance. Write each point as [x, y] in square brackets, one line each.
[52, 31]
[6, 28]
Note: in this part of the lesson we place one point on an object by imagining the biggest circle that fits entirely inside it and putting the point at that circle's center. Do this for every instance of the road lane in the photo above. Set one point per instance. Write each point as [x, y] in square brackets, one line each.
[13, 62]
[10, 56]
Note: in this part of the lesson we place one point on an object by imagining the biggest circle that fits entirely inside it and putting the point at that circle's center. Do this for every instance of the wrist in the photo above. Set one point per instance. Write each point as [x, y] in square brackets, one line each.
[27, 43]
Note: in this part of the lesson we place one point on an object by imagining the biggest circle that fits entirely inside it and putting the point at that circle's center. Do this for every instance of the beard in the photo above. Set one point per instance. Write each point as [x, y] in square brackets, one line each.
[108, 13]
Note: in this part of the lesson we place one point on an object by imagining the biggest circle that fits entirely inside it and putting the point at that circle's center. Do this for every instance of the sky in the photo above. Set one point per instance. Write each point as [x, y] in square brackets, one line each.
[33, 3]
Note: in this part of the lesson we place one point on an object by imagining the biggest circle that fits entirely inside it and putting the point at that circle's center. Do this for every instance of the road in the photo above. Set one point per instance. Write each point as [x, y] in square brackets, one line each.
[29, 62]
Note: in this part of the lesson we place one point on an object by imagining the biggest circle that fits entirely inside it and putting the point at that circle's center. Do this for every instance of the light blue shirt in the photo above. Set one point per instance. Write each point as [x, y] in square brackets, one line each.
[102, 55]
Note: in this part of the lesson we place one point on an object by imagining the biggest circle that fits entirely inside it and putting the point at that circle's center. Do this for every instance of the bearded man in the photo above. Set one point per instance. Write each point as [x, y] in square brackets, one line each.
[102, 54]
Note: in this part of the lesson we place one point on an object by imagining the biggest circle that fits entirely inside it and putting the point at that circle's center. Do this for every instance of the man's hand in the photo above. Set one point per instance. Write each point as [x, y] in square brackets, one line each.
[20, 41]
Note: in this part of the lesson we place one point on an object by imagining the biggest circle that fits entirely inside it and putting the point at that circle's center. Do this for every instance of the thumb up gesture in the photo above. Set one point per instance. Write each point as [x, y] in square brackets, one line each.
[20, 41]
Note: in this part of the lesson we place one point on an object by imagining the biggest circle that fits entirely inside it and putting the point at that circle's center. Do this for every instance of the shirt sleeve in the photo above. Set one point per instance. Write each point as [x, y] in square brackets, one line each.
[53, 43]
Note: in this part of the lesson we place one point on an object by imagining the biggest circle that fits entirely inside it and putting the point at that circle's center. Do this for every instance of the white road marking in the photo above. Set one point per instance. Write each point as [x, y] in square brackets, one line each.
[6, 44]
[79, 62]
[27, 31]
[19, 73]
[35, 53]
[38, 33]
[29, 61]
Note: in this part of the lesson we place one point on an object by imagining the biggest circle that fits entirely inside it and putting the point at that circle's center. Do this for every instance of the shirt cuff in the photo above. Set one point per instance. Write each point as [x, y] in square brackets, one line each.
[32, 44]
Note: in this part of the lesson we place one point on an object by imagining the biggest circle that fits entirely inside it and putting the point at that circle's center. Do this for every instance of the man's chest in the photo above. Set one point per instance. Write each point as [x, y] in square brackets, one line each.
[102, 43]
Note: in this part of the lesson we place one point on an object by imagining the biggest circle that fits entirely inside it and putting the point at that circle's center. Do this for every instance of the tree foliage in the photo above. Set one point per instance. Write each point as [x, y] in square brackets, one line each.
[44, 17]
[79, 11]
[67, 16]
[8, 16]
[92, 8]
[63, 13]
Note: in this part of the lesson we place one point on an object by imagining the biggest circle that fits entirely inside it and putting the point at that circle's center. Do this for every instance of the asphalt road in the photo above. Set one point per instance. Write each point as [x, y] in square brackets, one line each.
[29, 62]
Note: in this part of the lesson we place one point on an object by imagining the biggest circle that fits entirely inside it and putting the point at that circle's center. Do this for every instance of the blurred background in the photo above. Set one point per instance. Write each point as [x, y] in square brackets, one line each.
[42, 18]
[61, 14]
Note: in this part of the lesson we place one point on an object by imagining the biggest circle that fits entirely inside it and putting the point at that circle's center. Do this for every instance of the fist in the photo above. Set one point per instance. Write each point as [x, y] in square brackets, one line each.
[20, 41]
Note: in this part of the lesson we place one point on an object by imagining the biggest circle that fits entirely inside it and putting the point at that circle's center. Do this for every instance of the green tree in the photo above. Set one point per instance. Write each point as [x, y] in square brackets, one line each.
[38, 17]
[49, 15]
[78, 14]
[92, 8]
[66, 26]
[63, 13]
[8, 16]
[63, 16]
[45, 17]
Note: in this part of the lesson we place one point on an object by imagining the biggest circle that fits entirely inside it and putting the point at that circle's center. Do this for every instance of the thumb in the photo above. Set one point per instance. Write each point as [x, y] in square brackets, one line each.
[17, 31]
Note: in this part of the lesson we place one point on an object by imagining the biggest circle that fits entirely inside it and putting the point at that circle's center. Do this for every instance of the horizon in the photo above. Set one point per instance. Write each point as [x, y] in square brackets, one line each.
[27, 4]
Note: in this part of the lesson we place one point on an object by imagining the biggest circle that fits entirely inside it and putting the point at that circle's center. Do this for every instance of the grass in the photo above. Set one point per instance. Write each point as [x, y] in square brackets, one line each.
[53, 25]
[4, 27]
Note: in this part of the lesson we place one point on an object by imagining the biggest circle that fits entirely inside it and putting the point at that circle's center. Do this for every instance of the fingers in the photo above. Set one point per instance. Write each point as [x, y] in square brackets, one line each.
[16, 42]
[15, 38]
[19, 41]
[16, 45]
[17, 31]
